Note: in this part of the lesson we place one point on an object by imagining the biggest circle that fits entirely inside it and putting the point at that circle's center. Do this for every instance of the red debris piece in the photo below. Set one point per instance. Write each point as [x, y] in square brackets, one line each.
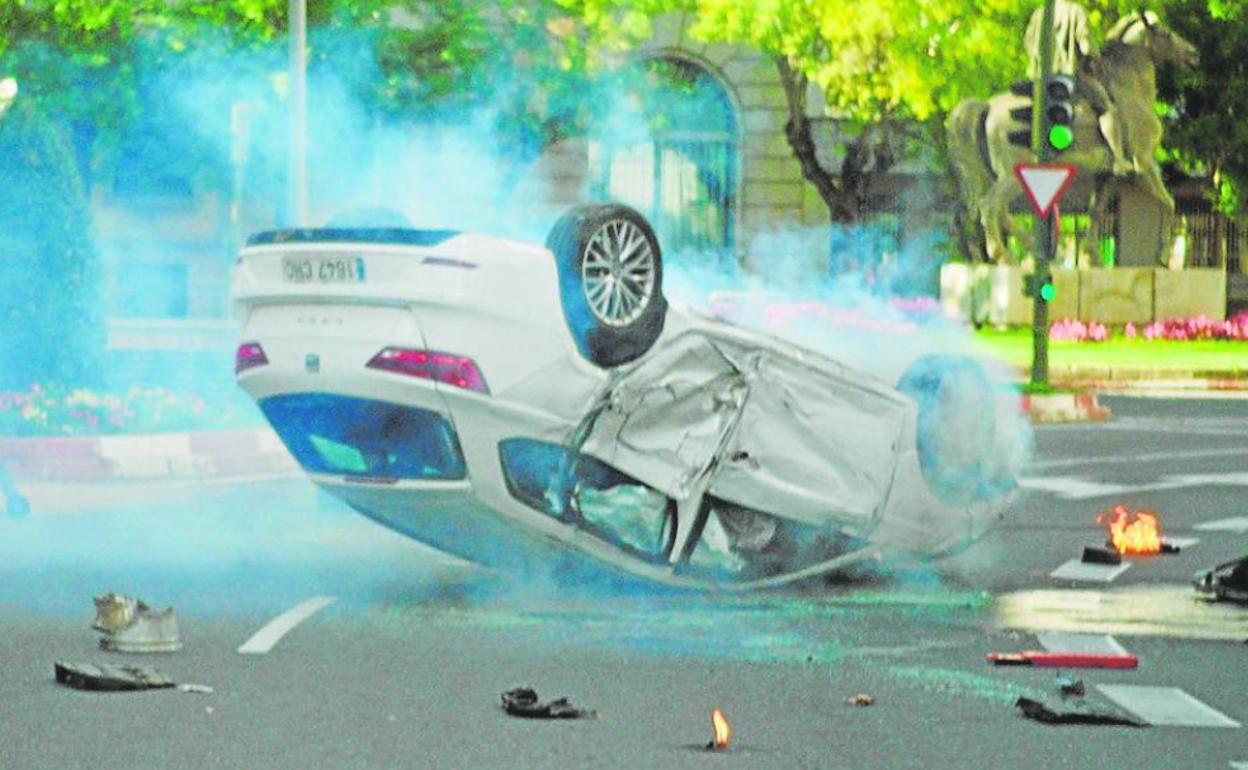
[1064, 659]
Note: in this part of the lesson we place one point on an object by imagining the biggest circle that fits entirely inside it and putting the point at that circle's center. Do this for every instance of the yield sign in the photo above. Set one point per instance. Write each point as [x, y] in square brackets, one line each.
[1045, 183]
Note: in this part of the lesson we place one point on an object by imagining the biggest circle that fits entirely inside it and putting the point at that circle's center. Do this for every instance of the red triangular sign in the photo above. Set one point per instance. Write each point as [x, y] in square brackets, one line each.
[1045, 183]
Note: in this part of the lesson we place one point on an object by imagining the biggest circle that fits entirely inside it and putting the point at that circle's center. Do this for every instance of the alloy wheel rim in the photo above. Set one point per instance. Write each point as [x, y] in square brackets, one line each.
[618, 273]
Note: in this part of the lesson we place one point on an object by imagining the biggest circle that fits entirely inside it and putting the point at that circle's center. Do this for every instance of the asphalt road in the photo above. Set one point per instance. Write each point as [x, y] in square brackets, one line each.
[405, 667]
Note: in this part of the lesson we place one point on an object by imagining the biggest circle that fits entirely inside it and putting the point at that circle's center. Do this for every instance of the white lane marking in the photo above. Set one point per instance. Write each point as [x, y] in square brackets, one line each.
[1082, 462]
[263, 640]
[1095, 644]
[1180, 542]
[1165, 706]
[1243, 765]
[1078, 488]
[1076, 569]
[1237, 524]
[1072, 488]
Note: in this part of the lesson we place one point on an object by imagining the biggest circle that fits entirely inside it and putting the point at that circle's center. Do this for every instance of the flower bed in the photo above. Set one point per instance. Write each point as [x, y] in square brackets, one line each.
[55, 411]
[1178, 329]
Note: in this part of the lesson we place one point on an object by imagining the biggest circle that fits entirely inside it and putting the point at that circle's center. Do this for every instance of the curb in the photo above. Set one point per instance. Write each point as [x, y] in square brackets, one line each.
[1108, 378]
[141, 457]
[1064, 407]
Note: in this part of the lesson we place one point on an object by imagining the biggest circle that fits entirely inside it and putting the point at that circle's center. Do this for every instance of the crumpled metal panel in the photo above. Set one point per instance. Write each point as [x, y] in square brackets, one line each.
[755, 426]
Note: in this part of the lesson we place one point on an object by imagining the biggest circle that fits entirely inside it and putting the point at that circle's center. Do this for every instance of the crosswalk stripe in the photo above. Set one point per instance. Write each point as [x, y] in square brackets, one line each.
[1095, 644]
[1233, 524]
[1165, 706]
[1076, 569]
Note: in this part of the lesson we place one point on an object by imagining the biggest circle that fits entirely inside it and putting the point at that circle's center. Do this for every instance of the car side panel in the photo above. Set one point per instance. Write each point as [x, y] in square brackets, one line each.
[753, 425]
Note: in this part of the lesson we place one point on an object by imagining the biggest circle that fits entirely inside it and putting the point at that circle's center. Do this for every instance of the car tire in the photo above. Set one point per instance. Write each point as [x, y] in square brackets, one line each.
[956, 428]
[610, 281]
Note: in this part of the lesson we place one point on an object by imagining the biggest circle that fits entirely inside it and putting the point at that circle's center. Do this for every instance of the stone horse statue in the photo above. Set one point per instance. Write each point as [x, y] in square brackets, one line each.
[983, 158]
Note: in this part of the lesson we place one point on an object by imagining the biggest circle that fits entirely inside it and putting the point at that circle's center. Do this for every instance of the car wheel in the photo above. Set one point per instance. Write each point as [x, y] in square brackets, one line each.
[956, 428]
[610, 281]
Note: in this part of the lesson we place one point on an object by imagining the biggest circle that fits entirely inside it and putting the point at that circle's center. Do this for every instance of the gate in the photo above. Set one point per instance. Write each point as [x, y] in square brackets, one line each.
[679, 164]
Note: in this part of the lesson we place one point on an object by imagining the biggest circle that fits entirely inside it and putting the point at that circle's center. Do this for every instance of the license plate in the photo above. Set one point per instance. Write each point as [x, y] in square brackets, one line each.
[323, 269]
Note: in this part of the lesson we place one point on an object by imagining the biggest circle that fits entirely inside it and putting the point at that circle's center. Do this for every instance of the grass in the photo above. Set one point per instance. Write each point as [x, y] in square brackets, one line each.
[1014, 346]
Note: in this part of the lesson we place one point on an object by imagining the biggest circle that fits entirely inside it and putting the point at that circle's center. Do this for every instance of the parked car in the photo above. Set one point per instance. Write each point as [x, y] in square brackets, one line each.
[530, 406]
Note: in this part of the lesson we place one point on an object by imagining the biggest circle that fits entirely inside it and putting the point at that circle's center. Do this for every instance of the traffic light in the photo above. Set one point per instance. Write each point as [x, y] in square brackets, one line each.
[1022, 137]
[1059, 111]
[1045, 290]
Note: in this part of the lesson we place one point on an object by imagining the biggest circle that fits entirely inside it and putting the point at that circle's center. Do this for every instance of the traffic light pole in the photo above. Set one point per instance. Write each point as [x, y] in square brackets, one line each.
[1045, 225]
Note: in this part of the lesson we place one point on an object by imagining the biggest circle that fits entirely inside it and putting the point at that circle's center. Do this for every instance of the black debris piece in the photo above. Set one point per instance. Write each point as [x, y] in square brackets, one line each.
[1075, 712]
[1093, 554]
[1170, 547]
[106, 677]
[1225, 582]
[523, 702]
[1071, 688]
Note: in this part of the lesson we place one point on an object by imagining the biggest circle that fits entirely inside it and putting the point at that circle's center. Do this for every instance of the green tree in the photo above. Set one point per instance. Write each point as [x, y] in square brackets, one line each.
[1205, 128]
[49, 271]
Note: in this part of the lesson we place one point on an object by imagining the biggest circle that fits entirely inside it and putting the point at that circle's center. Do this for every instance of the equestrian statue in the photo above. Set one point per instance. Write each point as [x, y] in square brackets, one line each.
[1117, 131]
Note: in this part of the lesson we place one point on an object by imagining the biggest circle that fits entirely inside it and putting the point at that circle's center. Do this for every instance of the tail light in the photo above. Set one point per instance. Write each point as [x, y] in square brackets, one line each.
[248, 356]
[460, 371]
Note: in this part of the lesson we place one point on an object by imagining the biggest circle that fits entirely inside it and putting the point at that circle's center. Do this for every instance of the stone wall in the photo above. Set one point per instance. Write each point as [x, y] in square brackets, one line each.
[993, 294]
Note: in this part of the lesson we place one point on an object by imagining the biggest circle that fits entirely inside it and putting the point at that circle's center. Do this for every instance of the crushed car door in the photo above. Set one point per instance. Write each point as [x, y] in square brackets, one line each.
[755, 425]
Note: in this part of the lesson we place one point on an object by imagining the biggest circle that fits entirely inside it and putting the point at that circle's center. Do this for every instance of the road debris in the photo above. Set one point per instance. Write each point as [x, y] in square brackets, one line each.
[1064, 659]
[130, 625]
[861, 699]
[1094, 554]
[199, 689]
[721, 731]
[105, 677]
[1075, 712]
[1070, 688]
[523, 702]
[1225, 582]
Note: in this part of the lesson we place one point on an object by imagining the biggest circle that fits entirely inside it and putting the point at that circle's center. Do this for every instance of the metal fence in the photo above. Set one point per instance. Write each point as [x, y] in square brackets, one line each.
[685, 184]
[1207, 238]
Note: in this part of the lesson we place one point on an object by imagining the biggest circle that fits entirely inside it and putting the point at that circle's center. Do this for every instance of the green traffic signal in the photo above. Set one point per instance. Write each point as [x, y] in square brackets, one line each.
[1061, 137]
[1047, 292]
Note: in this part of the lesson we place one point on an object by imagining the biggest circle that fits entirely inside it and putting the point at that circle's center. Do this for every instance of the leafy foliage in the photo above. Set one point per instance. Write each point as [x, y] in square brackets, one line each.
[1207, 107]
[48, 268]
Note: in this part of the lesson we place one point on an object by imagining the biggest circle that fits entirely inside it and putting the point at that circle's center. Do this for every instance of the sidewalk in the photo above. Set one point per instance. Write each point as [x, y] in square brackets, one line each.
[211, 454]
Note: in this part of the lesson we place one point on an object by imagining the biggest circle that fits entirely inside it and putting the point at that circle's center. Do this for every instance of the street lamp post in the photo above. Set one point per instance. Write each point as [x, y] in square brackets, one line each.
[298, 167]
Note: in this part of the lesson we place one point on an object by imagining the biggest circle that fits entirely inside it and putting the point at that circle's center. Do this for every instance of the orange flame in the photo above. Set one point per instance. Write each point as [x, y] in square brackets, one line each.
[723, 730]
[1132, 532]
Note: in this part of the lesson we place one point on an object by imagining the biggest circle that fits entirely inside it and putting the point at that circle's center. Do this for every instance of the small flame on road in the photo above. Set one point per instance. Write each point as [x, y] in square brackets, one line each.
[723, 730]
[1132, 532]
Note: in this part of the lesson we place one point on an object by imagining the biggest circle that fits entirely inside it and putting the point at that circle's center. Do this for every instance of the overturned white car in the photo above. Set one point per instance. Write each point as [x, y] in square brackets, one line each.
[523, 406]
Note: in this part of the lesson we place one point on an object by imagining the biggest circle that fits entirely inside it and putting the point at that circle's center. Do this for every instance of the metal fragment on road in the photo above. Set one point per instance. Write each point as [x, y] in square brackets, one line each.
[130, 625]
[264, 640]
[1166, 706]
[1076, 569]
[523, 702]
[200, 689]
[105, 677]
